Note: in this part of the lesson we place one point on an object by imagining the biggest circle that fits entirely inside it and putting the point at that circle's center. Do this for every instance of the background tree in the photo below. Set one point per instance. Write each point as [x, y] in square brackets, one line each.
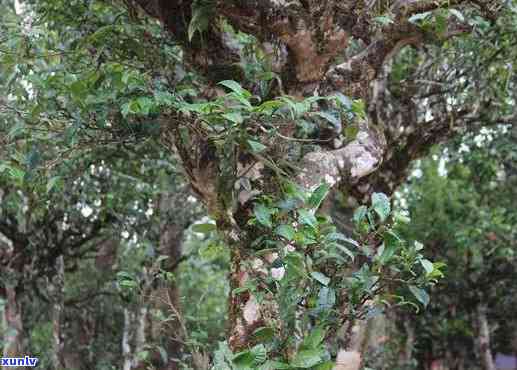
[465, 196]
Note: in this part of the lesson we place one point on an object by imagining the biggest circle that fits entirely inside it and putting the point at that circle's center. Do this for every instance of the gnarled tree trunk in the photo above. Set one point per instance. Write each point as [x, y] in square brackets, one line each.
[312, 35]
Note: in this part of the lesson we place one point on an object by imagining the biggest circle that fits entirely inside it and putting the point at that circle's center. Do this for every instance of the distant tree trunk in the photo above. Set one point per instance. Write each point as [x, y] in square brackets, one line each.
[166, 296]
[56, 290]
[134, 336]
[126, 340]
[14, 335]
[14, 331]
[140, 328]
[484, 338]
[407, 355]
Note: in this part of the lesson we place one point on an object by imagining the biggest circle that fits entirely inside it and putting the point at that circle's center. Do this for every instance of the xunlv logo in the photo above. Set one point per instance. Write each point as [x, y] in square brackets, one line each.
[18, 361]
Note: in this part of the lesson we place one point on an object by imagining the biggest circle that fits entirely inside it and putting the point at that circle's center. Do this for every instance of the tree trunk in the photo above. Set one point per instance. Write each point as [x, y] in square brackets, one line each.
[484, 338]
[348, 360]
[14, 333]
[165, 296]
[407, 355]
[356, 347]
[56, 290]
[226, 177]
[140, 328]
[126, 340]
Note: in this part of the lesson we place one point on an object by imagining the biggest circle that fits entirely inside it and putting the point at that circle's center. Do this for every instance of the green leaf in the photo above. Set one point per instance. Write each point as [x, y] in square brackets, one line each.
[457, 14]
[318, 195]
[145, 105]
[201, 14]
[401, 218]
[440, 24]
[329, 365]
[211, 251]
[241, 99]
[345, 101]
[343, 238]
[263, 215]
[268, 106]
[33, 158]
[314, 339]
[223, 357]
[236, 88]
[256, 147]
[125, 110]
[326, 298]
[78, 89]
[143, 355]
[203, 228]
[320, 277]
[358, 108]
[386, 252]
[383, 20]
[274, 365]
[360, 214]
[427, 265]
[347, 251]
[306, 359]
[419, 17]
[307, 218]
[420, 294]
[128, 283]
[259, 353]
[52, 183]
[351, 132]
[252, 358]
[285, 231]
[336, 122]
[234, 117]
[295, 266]
[264, 334]
[381, 205]
[244, 360]
[240, 290]
[16, 173]
[163, 354]
[16, 130]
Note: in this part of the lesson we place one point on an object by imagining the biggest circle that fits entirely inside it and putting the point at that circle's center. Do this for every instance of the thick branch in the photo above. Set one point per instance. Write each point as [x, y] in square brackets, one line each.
[357, 159]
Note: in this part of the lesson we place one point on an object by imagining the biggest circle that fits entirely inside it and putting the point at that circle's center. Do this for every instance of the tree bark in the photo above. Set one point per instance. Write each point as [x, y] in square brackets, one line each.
[164, 296]
[485, 352]
[245, 313]
[126, 340]
[407, 354]
[14, 334]
[140, 325]
[56, 290]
